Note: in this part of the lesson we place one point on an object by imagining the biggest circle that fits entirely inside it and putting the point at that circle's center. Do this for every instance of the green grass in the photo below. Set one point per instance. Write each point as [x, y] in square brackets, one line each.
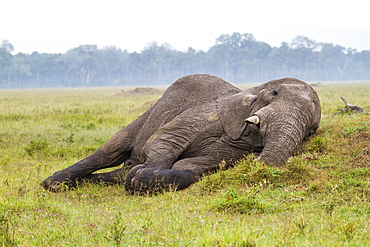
[319, 198]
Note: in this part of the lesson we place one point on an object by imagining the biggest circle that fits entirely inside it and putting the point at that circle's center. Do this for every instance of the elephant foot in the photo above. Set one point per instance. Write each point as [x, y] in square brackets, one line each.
[143, 179]
[129, 186]
[58, 183]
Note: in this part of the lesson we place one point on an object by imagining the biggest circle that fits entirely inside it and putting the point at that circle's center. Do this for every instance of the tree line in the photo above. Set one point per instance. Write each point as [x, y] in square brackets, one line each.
[237, 58]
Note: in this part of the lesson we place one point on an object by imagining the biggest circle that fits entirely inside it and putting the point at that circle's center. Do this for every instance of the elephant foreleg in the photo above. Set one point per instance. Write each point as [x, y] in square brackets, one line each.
[68, 177]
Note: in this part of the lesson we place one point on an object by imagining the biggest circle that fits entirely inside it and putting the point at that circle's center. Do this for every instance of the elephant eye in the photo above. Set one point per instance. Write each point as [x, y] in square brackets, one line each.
[274, 92]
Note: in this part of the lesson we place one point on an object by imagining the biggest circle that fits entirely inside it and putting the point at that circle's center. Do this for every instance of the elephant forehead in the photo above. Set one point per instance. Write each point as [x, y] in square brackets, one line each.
[298, 90]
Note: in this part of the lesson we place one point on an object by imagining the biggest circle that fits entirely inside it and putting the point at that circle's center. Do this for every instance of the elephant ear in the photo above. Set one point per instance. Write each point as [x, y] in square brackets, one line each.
[233, 111]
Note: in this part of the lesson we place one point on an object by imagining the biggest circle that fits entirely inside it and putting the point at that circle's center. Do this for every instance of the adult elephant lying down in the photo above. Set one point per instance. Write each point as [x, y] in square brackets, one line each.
[200, 121]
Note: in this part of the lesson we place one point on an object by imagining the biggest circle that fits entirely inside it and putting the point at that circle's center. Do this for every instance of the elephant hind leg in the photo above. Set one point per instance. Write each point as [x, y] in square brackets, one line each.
[198, 165]
[144, 178]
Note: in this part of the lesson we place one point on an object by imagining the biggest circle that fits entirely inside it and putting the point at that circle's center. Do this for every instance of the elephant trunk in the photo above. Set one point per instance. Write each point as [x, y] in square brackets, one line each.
[283, 135]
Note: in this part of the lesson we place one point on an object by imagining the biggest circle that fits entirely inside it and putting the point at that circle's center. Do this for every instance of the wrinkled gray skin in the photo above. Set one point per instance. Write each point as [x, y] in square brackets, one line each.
[199, 122]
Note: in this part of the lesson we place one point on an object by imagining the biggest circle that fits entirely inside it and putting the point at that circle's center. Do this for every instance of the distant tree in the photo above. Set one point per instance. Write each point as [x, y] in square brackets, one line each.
[221, 60]
[235, 39]
[19, 71]
[5, 62]
[235, 57]
[362, 70]
[304, 57]
[83, 64]
[239, 57]
[46, 70]
[7, 46]
[226, 55]
[157, 62]
[190, 62]
[333, 61]
[114, 66]
[303, 42]
[280, 62]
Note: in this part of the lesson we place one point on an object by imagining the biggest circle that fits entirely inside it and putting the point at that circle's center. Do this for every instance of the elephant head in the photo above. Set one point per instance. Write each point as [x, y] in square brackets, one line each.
[284, 111]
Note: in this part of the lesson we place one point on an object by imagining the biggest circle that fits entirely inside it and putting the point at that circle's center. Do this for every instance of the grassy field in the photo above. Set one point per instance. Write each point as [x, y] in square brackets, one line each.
[320, 198]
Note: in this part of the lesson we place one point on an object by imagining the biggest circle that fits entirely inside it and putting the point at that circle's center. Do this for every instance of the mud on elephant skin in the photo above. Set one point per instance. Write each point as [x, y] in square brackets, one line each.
[200, 122]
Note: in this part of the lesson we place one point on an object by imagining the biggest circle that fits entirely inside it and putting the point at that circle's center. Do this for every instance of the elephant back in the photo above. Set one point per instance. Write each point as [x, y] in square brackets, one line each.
[198, 88]
[191, 91]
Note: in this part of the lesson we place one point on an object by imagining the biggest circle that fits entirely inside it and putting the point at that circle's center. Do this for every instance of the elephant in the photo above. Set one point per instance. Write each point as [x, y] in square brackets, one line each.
[199, 123]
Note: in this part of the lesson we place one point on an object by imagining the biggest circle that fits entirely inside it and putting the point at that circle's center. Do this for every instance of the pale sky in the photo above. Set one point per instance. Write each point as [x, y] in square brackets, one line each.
[57, 26]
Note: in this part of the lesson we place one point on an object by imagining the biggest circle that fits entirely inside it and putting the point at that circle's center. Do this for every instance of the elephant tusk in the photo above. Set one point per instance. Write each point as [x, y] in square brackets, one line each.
[253, 120]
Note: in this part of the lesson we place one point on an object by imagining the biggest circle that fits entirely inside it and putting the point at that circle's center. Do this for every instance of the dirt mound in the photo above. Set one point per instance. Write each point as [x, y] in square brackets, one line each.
[140, 91]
